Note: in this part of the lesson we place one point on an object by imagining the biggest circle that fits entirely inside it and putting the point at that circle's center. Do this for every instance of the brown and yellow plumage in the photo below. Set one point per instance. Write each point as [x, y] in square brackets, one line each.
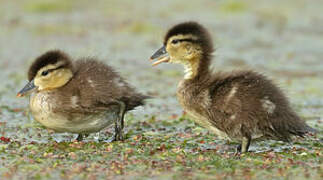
[240, 106]
[81, 96]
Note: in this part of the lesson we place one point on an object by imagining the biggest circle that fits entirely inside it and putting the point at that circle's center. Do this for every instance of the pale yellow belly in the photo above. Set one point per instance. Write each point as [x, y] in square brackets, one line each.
[222, 135]
[42, 112]
[206, 123]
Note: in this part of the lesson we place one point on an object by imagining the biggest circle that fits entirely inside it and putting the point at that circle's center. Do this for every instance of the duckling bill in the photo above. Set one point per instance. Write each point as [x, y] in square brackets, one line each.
[240, 106]
[82, 96]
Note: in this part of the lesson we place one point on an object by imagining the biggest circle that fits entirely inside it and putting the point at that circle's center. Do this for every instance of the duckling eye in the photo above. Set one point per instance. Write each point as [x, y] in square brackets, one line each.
[44, 73]
[175, 41]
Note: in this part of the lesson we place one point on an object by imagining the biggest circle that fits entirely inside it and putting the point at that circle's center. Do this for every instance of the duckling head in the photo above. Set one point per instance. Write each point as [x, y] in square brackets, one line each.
[49, 71]
[187, 43]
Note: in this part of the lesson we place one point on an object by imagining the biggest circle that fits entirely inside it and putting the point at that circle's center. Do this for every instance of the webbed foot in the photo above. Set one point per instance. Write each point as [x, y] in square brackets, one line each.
[80, 137]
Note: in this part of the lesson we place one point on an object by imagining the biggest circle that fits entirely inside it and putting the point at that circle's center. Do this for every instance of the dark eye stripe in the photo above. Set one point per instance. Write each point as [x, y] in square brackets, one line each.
[188, 40]
[59, 67]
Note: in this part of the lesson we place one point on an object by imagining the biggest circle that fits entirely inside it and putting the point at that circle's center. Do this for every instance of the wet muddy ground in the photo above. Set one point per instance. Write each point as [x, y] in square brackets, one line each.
[283, 40]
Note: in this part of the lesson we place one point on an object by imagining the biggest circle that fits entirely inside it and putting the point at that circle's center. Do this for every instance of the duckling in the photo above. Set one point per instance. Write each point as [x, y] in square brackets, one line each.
[82, 96]
[239, 106]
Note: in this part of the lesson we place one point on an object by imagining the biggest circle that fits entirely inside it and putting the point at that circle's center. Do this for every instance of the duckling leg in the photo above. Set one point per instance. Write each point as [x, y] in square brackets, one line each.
[244, 146]
[120, 122]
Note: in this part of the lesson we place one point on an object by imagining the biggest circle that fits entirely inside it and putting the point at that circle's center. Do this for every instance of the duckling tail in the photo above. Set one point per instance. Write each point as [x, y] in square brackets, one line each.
[136, 100]
[290, 123]
[303, 129]
[309, 129]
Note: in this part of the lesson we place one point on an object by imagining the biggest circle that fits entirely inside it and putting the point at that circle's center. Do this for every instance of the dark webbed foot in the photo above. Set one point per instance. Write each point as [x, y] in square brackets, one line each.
[81, 136]
[118, 136]
[119, 124]
[238, 150]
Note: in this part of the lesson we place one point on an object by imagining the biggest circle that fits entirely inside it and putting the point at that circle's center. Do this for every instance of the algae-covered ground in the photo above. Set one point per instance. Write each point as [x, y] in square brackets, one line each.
[282, 39]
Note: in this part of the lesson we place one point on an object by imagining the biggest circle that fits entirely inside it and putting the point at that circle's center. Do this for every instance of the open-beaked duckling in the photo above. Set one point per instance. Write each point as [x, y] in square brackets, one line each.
[240, 105]
[82, 96]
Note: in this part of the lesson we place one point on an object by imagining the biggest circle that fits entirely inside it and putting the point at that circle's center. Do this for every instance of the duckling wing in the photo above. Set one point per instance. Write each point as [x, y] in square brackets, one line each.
[251, 102]
[226, 107]
[67, 102]
[235, 102]
[100, 88]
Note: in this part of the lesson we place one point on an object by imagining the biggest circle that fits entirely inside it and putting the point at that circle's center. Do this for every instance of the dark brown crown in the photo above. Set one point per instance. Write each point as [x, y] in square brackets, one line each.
[50, 57]
[193, 28]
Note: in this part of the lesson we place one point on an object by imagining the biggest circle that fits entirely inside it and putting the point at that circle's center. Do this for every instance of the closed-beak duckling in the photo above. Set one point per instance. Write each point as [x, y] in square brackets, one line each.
[82, 96]
[240, 105]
